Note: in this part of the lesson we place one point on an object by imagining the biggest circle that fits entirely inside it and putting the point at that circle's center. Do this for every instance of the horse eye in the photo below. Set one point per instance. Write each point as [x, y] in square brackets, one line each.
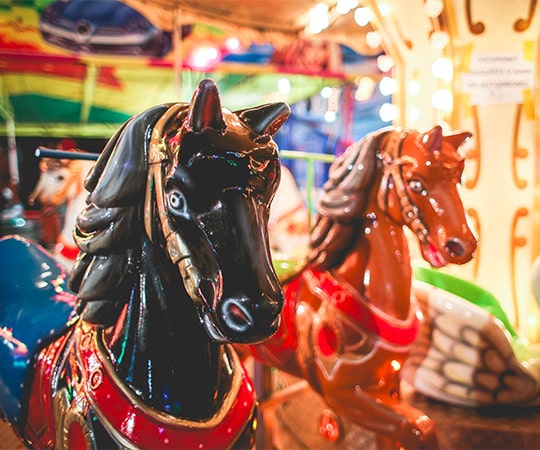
[417, 186]
[177, 202]
[60, 177]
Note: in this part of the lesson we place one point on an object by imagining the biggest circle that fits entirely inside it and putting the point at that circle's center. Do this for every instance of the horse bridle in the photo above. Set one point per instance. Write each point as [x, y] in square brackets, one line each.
[176, 248]
[393, 174]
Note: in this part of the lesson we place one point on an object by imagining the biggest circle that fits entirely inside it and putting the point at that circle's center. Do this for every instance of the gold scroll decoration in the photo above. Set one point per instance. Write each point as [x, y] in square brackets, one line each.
[515, 243]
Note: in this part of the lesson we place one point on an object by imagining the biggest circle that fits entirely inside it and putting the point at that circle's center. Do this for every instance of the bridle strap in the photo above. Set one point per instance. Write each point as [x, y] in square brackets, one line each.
[156, 158]
[393, 173]
[176, 248]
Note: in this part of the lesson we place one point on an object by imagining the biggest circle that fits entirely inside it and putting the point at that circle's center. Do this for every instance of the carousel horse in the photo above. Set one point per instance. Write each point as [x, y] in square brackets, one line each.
[349, 317]
[174, 267]
[61, 182]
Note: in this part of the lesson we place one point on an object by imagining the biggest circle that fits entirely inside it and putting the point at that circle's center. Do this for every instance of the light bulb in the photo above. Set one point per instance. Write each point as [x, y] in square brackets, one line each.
[388, 112]
[442, 100]
[373, 39]
[362, 16]
[439, 39]
[433, 8]
[442, 68]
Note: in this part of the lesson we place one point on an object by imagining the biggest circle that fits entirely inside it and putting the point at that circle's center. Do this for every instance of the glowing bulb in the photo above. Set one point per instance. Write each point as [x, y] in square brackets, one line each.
[433, 8]
[232, 44]
[318, 18]
[373, 39]
[439, 39]
[362, 16]
[388, 112]
[413, 114]
[385, 9]
[384, 63]
[388, 86]
[284, 86]
[205, 57]
[326, 92]
[364, 91]
[413, 87]
[442, 68]
[344, 6]
[330, 116]
[442, 100]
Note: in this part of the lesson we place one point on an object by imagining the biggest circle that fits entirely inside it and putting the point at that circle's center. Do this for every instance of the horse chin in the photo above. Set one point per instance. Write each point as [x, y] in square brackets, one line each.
[433, 256]
[212, 330]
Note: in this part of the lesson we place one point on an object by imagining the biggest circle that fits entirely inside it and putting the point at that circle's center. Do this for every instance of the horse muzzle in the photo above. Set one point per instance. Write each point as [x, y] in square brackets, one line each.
[453, 250]
[242, 320]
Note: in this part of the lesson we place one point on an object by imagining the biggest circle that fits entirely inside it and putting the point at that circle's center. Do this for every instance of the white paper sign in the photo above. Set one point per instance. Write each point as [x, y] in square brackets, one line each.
[497, 78]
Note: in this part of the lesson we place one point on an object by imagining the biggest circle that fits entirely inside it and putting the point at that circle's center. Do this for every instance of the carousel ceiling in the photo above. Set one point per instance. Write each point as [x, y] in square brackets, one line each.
[80, 67]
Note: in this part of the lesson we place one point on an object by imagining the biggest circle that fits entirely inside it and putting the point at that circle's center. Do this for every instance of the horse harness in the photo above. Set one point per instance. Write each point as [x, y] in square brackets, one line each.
[393, 174]
[77, 401]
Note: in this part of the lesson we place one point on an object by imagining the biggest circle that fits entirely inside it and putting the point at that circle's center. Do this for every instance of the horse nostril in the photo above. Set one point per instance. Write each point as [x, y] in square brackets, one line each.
[236, 317]
[454, 247]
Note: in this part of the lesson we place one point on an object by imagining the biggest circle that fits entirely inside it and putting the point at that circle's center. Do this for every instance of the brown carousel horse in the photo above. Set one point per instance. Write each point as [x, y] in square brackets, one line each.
[174, 267]
[349, 317]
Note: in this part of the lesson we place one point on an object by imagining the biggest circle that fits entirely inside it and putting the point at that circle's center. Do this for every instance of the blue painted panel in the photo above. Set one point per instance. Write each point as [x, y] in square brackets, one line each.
[35, 306]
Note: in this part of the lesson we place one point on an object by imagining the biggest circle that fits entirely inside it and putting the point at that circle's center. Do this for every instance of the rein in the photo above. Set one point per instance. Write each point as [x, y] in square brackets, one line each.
[177, 249]
[393, 174]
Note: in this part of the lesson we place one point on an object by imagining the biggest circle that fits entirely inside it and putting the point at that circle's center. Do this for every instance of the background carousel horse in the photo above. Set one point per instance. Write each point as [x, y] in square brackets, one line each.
[348, 320]
[174, 266]
[62, 181]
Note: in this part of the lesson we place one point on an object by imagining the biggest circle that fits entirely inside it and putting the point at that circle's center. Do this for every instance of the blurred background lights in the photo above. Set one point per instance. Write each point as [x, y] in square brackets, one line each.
[442, 68]
[318, 18]
[284, 86]
[413, 114]
[204, 57]
[388, 112]
[388, 86]
[326, 92]
[373, 39]
[442, 100]
[232, 44]
[433, 8]
[362, 16]
[365, 88]
[330, 116]
[439, 39]
[344, 6]
[385, 9]
[385, 63]
[413, 87]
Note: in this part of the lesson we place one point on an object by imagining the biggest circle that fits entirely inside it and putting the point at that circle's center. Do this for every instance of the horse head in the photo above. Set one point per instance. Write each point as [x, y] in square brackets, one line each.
[194, 181]
[420, 188]
[60, 180]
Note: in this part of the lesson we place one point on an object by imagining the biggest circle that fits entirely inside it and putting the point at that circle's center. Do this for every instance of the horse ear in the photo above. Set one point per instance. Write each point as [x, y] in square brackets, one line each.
[457, 138]
[265, 119]
[205, 109]
[432, 140]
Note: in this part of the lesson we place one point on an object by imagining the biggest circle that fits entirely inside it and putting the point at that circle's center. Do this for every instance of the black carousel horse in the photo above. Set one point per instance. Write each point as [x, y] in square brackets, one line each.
[174, 267]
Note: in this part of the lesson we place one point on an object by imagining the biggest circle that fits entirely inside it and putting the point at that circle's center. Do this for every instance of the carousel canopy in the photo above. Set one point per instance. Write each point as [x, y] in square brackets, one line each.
[81, 67]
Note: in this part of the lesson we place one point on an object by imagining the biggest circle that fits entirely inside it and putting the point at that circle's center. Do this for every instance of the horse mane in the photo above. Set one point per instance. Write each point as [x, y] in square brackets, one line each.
[109, 229]
[344, 199]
